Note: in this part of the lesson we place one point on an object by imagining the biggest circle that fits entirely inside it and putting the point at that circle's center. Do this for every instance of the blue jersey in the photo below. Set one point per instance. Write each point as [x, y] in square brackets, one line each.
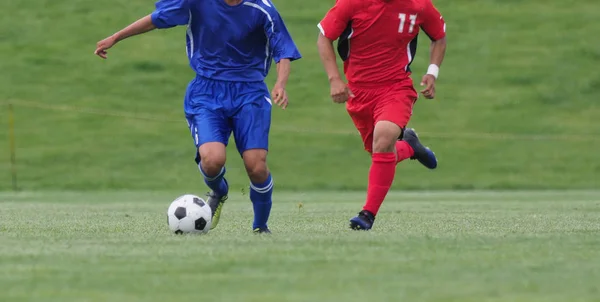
[229, 43]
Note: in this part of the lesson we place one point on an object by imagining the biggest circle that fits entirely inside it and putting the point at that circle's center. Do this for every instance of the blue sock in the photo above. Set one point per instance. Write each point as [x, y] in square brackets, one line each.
[216, 183]
[260, 194]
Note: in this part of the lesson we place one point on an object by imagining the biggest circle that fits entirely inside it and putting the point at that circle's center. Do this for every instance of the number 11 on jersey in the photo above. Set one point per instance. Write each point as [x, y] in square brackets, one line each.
[412, 19]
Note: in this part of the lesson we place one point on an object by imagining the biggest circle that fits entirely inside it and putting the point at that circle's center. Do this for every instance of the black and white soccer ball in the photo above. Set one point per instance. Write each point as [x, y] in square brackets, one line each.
[189, 214]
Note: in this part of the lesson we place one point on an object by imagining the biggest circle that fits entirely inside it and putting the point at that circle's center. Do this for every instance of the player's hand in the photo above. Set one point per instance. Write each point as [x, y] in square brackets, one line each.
[104, 45]
[428, 82]
[340, 91]
[279, 95]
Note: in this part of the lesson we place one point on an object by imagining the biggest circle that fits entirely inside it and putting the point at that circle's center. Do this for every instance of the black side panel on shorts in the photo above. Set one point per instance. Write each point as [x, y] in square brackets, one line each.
[401, 133]
[343, 46]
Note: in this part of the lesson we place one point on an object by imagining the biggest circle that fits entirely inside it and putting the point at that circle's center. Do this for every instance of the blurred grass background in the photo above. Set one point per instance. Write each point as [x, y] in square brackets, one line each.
[516, 107]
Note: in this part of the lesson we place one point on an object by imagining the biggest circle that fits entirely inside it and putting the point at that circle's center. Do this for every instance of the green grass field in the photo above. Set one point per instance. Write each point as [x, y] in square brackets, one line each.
[472, 246]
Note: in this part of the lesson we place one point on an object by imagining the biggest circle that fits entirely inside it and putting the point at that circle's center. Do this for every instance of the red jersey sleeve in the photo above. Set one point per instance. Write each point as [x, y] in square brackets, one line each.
[336, 20]
[433, 22]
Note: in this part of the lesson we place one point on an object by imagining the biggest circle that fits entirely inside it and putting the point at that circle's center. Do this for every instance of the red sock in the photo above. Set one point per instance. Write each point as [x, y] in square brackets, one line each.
[404, 151]
[381, 176]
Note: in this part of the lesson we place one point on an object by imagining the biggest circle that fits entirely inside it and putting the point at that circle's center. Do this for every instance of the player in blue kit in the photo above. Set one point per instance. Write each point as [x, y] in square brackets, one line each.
[230, 46]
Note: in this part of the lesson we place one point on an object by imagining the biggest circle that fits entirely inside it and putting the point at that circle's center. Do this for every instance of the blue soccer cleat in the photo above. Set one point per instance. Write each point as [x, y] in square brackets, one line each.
[423, 154]
[363, 222]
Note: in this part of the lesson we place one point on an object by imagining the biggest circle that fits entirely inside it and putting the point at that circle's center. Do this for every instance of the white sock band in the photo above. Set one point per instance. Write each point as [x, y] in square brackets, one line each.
[211, 178]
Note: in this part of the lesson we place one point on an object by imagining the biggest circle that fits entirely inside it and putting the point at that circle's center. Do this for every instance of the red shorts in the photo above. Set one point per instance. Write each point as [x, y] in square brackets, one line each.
[370, 105]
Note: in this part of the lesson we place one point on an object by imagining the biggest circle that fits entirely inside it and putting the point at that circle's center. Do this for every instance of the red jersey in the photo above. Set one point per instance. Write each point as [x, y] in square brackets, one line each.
[378, 38]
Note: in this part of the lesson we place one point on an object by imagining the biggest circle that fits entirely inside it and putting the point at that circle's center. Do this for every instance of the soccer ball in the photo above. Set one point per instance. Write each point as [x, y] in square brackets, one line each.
[189, 214]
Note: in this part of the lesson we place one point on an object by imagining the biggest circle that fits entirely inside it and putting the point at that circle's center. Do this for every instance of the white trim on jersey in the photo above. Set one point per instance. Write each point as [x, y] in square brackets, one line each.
[268, 53]
[442, 18]
[409, 55]
[264, 11]
[321, 29]
[188, 32]
[349, 39]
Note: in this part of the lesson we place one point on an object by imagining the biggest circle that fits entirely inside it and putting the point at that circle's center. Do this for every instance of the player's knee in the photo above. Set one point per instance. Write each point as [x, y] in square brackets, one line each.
[385, 136]
[384, 145]
[212, 165]
[212, 159]
[256, 165]
[258, 173]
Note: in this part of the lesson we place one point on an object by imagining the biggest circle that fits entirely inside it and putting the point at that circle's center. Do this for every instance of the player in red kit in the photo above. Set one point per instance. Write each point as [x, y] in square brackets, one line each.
[377, 40]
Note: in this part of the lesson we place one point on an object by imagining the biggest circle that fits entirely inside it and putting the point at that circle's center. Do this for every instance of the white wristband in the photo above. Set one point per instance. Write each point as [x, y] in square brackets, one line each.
[433, 70]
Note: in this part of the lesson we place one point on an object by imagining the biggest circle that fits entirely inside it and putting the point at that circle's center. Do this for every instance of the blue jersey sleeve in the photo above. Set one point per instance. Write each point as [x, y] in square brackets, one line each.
[280, 41]
[170, 13]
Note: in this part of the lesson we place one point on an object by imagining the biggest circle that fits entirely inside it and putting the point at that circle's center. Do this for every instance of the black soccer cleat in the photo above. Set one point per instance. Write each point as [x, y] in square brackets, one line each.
[423, 154]
[262, 231]
[363, 222]
[216, 205]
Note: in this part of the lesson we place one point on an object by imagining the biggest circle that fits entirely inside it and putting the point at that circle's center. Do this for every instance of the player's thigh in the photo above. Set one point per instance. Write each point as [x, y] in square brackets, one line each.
[209, 130]
[396, 106]
[206, 117]
[251, 122]
[360, 108]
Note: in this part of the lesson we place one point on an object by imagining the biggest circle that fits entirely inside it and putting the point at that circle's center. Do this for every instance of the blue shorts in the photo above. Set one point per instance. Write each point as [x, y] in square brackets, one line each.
[214, 109]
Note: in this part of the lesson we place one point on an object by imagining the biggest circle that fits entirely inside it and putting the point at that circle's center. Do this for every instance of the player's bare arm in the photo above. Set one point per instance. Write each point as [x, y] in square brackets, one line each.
[138, 27]
[437, 53]
[283, 73]
[339, 90]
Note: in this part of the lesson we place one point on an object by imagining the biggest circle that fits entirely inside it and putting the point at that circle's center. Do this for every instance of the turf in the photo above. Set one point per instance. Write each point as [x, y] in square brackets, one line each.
[517, 102]
[475, 246]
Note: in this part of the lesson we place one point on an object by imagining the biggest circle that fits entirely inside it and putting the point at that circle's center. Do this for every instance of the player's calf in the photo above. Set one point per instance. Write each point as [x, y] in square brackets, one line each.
[261, 186]
[212, 167]
[381, 173]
